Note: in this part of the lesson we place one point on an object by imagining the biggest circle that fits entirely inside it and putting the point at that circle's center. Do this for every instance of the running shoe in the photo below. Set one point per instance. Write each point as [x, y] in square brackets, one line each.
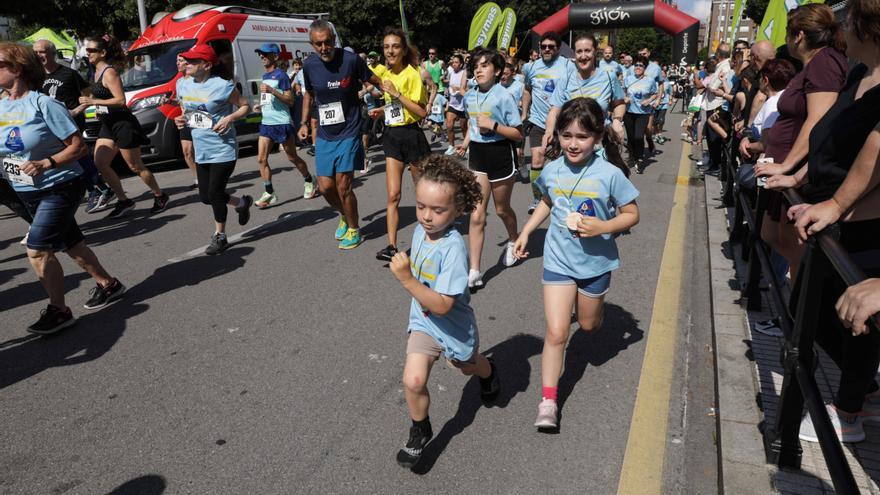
[92, 200]
[509, 258]
[103, 201]
[351, 239]
[121, 208]
[366, 168]
[768, 327]
[450, 150]
[218, 245]
[847, 431]
[193, 186]
[475, 279]
[533, 205]
[387, 253]
[24, 239]
[104, 296]
[52, 319]
[309, 189]
[410, 454]
[266, 200]
[311, 150]
[341, 228]
[547, 411]
[159, 203]
[244, 209]
[490, 386]
[640, 167]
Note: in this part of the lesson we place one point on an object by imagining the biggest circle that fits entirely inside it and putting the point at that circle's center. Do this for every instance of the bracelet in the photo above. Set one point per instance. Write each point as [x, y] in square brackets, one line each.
[495, 127]
[303, 124]
[52, 162]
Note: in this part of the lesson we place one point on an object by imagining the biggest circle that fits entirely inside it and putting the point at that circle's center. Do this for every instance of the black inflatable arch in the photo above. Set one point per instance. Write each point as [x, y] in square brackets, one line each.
[640, 13]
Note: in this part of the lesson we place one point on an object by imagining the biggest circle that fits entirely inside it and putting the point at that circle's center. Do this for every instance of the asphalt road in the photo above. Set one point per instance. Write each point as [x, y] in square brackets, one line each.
[276, 367]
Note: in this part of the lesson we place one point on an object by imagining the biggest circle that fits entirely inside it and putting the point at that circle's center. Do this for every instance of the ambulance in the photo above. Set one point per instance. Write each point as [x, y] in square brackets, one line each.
[234, 32]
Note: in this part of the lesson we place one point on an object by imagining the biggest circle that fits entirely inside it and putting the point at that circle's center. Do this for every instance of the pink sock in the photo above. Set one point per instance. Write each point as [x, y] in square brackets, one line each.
[549, 392]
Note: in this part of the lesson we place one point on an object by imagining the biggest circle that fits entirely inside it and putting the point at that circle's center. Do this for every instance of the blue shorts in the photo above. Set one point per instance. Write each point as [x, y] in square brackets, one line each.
[591, 287]
[338, 157]
[54, 211]
[280, 133]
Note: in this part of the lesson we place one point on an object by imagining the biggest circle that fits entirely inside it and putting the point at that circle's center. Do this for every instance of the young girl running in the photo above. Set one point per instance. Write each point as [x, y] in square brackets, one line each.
[495, 127]
[579, 189]
[441, 320]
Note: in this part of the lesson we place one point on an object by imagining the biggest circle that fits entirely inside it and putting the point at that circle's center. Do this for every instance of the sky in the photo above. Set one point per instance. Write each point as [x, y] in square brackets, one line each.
[697, 8]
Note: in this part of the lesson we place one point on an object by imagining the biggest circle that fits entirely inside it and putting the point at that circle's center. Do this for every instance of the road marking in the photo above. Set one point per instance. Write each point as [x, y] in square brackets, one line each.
[237, 237]
[642, 470]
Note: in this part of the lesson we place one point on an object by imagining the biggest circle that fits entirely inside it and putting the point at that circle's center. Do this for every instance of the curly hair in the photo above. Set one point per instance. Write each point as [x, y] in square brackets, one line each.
[442, 168]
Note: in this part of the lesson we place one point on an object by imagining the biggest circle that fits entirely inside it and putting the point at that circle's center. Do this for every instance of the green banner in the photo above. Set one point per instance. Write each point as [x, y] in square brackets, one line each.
[776, 20]
[737, 15]
[484, 24]
[505, 30]
[403, 19]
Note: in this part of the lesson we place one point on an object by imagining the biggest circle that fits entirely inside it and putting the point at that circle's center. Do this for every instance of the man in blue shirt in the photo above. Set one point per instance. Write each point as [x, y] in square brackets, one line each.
[653, 71]
[608, 64]
[333, 77]
[276, 98]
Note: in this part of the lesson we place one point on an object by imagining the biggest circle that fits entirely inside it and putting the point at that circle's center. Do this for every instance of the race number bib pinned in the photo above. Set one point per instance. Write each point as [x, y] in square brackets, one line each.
[11, 171]
[393, 113]
[435, 109]
[101, 109]
[331, 113]
[266, 99]
[198, 120]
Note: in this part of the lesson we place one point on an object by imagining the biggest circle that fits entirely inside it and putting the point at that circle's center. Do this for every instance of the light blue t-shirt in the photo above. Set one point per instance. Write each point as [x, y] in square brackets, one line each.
[208, 100]
[628, 71]
[519, 77]
[664, 101]
[298, 79]
[515, 88]
[33, 128]
[543, 80]
[613, 67]
[639, 90]
[602, 87]
[497, 104]
[443, 267]
[438, 109]
[277, 112]
[568, 187]
[731, 82]
[653, 71]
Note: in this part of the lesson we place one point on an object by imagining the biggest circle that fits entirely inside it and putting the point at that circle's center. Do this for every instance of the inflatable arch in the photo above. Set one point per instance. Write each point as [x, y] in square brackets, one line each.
[608, 15]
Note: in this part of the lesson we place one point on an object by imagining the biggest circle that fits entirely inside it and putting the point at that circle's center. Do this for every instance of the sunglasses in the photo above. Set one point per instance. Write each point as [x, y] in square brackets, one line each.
[638, 65]
[548, 47]
[93, 50]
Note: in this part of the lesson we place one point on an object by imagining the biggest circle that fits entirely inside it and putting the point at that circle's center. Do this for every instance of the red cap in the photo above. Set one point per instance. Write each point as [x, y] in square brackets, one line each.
[201, 52]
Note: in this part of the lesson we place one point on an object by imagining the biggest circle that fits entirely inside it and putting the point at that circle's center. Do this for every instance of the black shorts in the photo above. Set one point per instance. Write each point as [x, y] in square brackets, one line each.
[495, 160]
[461, 114]
[660, 117]
[536, 135]
[405, 143]
[124, 129]
[185, 134]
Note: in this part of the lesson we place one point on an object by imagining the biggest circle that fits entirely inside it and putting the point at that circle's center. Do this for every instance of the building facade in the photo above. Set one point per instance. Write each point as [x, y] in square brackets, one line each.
[720, 24]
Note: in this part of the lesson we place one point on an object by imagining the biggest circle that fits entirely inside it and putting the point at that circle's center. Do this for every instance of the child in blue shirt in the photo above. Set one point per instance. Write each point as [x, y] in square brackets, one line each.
[441, 320]
[580, 190]
[438, 109]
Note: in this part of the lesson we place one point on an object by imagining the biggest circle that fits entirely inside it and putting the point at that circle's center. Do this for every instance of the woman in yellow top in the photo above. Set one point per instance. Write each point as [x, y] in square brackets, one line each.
[403, 142]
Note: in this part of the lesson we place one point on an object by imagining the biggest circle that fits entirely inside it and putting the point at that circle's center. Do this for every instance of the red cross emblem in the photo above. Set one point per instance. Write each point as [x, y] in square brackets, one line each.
[285, 55]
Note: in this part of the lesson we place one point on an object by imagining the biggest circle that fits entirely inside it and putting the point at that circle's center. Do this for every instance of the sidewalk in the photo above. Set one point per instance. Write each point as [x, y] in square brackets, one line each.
[749, 377]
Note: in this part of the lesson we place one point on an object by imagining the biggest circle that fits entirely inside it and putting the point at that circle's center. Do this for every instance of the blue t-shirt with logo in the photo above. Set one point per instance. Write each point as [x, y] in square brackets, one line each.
[515, 88]
[442, 266]
[653, 71]
[602, 87]
[543, 80]
[664, 101]
[628, 71]
[497, 104]
[640, 90]
[276, 113]
[337, 83]
[598, 186]
[33, 128]
[612, 67]
[208, 99]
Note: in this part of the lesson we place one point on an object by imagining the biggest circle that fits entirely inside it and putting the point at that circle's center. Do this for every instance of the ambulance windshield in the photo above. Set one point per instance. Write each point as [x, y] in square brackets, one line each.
[153, 65]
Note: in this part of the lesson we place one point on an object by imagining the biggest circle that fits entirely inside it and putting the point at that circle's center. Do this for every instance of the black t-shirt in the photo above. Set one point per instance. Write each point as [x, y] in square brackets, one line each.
[838, 137]
[66, 85]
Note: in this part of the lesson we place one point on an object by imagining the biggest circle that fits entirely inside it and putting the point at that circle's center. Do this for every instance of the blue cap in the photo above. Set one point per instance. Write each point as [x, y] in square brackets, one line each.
[268, 48]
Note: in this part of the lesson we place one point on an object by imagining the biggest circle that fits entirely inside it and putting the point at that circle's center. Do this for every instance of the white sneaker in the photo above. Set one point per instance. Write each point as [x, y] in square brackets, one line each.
[475, 278]
[547, 410]
[509, 258]
[23, 240]
[450, 151]
[847, 431]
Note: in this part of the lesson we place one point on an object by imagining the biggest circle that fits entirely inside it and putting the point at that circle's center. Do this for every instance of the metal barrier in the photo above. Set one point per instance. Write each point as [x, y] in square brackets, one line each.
[823, 257]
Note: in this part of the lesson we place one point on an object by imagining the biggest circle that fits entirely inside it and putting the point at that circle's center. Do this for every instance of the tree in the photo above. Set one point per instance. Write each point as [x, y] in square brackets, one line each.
[755, 10]
[631, 40]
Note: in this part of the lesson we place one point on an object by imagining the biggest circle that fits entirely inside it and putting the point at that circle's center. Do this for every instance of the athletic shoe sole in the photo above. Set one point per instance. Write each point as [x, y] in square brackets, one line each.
[62, 326]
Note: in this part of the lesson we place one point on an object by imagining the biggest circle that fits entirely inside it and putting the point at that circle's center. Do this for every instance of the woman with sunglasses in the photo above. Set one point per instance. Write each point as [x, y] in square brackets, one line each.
[120, 131]
[641, 92]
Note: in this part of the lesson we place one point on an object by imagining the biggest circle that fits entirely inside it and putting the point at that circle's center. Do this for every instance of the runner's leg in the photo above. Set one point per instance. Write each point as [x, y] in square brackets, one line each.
[132, 158]
[476, 230]
[348, 199]
[558, 303]
[105, 151]
[393, 179]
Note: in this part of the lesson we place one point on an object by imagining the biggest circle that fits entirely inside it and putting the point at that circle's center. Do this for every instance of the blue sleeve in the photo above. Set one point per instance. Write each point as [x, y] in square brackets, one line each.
[623, 192]
[616, 89]
[284, 82]
[306, 81]
[560, 93]
[57, 117]
[510, 110]
[226, 90]
[453, 274]
[526, 73]
[541, 181]
[619, 69]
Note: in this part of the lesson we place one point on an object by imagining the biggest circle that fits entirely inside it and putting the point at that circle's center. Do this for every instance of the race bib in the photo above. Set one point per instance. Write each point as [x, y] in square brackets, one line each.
[435, 109]
[198, 120]
[11, 171]
[101, 109]
[331, 113]
[266, 99]
[393, 113]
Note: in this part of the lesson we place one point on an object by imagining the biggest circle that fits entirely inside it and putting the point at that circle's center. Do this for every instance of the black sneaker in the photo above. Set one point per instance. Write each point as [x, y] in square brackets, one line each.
[640, 167]
[217, 246]
[387, 253]
[121, 208]
[104, 296]
[410, 454]
[490, 387]
[244, 211]
[193, 186]
[52, 319]
[311, 151]
[159, 203]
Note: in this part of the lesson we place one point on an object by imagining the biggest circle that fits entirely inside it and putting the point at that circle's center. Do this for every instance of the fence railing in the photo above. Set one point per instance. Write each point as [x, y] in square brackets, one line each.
[823, 257]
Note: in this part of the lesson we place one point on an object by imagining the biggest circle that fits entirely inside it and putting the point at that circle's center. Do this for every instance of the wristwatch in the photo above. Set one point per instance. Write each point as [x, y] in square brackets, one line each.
[495, 127]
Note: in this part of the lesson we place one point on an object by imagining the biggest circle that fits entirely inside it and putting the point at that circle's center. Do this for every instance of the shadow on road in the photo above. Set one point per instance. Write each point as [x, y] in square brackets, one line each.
[151, 484]
[512, 361]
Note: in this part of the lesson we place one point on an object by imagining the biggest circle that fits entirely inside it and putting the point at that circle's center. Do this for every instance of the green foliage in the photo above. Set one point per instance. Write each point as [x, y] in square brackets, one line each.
[755, 9]
[633, 39]
[703, 54]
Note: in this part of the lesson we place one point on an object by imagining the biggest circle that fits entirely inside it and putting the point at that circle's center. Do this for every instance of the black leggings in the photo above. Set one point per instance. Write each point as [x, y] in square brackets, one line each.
[212, 186]
[635, 124]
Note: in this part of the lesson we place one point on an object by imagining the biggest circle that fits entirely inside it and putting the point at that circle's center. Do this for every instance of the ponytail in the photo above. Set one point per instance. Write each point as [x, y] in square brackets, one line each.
[114, 55]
